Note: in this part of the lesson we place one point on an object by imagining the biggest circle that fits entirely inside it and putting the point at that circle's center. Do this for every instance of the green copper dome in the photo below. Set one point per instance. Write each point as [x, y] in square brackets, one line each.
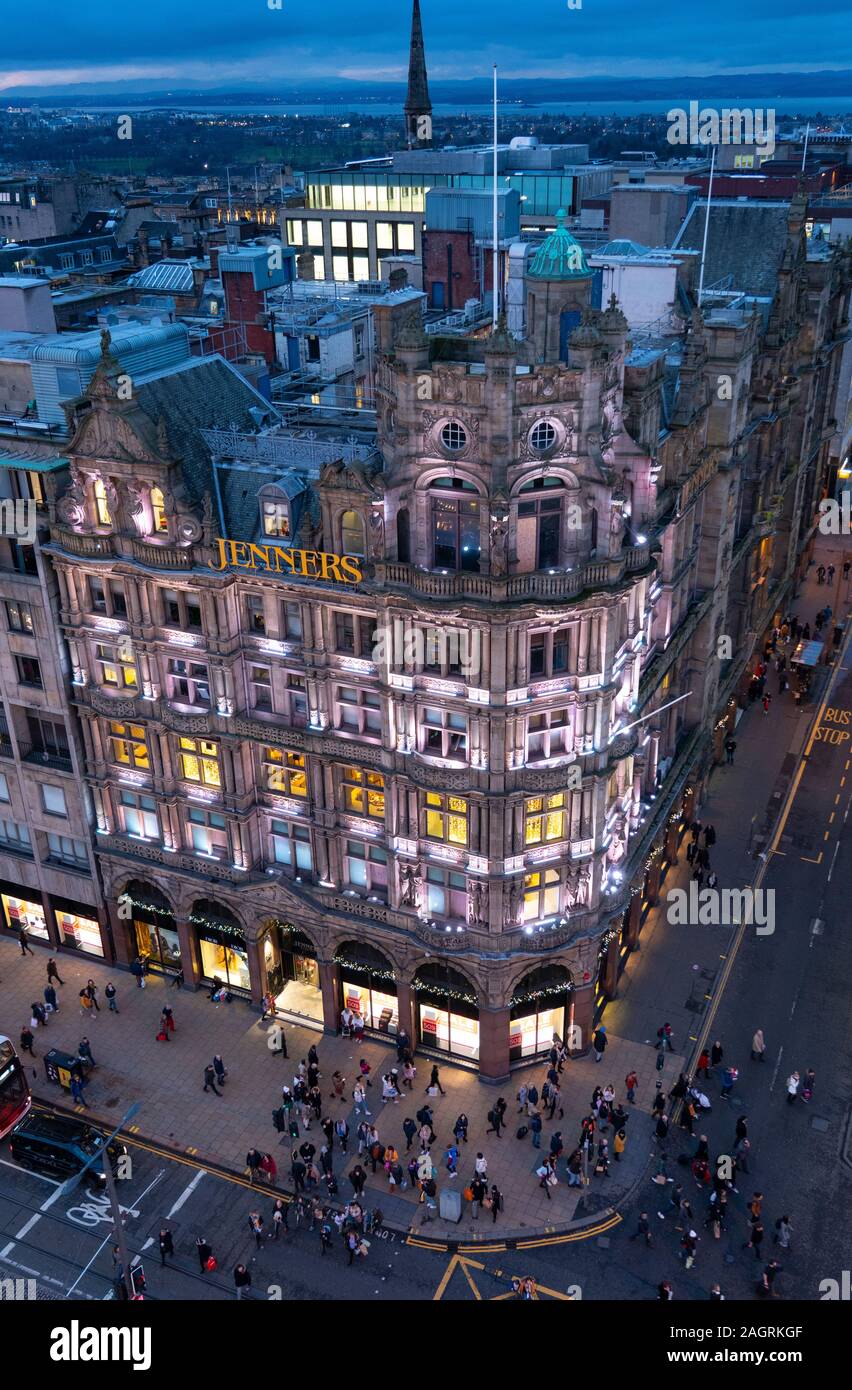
[559, 257]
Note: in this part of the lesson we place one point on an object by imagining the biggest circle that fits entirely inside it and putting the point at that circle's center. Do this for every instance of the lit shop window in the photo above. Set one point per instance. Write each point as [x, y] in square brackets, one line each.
[276, 517]
[285, 772]
[541, 895]
[20, 913]
[544, 819]
[128, 745]
[446, 818]
[364, 793]
[199, 761]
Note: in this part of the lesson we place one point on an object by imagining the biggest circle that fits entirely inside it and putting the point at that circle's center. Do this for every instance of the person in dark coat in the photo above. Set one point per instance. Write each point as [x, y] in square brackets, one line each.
[167, 1245]
[435, 1079]
[599, 1042]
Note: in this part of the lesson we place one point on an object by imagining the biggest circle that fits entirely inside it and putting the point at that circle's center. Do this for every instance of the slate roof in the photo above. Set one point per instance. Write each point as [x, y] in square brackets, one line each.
[746, 240]
[204, 394]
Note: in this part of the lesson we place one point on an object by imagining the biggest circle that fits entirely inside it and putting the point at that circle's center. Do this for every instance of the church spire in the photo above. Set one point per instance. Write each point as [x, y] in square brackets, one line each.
[418, 107]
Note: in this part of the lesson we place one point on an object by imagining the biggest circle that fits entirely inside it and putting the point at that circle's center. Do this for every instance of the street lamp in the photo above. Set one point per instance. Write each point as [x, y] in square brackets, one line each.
[109, 1178]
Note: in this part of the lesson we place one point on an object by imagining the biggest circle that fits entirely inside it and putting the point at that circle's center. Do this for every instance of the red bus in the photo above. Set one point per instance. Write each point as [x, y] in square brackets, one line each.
[15, 1098]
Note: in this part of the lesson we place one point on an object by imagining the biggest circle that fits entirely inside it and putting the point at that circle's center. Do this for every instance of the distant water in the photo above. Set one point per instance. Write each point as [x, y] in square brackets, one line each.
[783, 105]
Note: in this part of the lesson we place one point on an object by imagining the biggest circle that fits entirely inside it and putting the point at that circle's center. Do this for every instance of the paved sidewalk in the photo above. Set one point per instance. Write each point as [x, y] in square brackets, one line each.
[167, 1079]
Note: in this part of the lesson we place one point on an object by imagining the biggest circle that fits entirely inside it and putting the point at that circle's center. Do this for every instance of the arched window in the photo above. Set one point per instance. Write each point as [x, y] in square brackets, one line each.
[101, 507]
[367, 988]
[540, 1011]
[447, 1010]
[539, 522]
[352, 534]
[455, 525]
[222, 945]
[158, 510]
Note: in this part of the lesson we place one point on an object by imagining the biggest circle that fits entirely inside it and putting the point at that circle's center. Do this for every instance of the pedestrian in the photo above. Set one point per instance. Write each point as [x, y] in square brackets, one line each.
[792, 1087]
[50, 999]
[256, 1227]
[341, 1130]
[87, 1006]
[210, 1079]
[532, 1099]
[435, 1081]
[729, 1076]
[665, 1036]
[665, 1292]
[709, 836]
[767, 1280]
[53, 972]
[460, 1128]
[338, 1081]
[643, 1229]
[496, 1117]
[631, 1081]
[254, 1159]
[38, 1016]
[662, 1128]
[409, 1129]
[167, 1245]
[689, 1245]
[767, 701]
[167, 1021]
[389, 1090]
[703, 1068]
[358, 1179]
[24, 941]
[480, 1167]
[575, 1166]
[110, 994]
[599, 1042]
[846, 564]
[205, 1254]
[359, 1099]
[556, 1144]
[536, 1125]
[756, 1239]
[298, 1170]
[219, 1068]
[808, 1084]
[496, 1200]
[84, 1052]
[478, 1192]
[27, 1040]
[783, 1233]
[716, 1054]
[409, 1073]
[730, 750]
[820, 574]
[92, 991]
[242, 1280]
[269, 1169]
[451, 1158]
[77, 1084]
[279, 1218]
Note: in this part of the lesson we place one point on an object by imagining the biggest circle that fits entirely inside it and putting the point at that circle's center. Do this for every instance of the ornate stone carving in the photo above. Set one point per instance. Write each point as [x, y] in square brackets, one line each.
[477, 912]
[71, 508]
[515, 902]
[411, 883]
[499, 534]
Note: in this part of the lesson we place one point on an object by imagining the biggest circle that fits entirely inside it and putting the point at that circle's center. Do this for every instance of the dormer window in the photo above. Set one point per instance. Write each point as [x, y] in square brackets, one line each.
[160, 521]
[275, 516]
[352, 534]
[101, 507]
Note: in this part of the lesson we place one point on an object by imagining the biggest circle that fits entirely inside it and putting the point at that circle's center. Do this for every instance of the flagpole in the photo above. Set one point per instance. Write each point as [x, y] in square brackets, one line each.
[706, 227]
[495, 292]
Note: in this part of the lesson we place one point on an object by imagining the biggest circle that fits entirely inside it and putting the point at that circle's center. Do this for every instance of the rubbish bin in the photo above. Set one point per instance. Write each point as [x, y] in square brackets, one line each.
[450, 1204]
[59, 1066]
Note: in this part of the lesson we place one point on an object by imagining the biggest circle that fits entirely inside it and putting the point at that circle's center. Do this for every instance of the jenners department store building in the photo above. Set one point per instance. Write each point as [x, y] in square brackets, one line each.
[460, 847]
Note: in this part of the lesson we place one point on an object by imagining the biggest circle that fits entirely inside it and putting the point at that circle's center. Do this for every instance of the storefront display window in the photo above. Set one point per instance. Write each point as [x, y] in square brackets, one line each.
[292, 971]
[222, 946]
[80, 933]
[447, 1011]
[20, 912]
[367, 986]
[539, 1012]
[154, 928]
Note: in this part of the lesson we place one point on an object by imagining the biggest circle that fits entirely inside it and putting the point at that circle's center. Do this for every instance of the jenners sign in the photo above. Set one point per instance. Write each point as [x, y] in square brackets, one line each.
[273, 559]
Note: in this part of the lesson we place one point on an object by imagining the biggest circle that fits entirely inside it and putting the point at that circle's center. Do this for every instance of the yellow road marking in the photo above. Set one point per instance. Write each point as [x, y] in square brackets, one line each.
[455, 1261]
[812, 861]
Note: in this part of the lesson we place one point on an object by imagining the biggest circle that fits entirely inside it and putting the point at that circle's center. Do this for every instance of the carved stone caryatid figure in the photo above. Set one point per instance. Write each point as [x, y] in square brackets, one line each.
[585, 885]
[207, 519]
[411, 882]
[377, 533]
[515, 902]
[71, 507]
[499, 535]
[477, 912]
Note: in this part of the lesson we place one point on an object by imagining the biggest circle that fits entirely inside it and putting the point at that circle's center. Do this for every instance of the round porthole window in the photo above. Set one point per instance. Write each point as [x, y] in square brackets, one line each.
[453, 437]
[542, 437]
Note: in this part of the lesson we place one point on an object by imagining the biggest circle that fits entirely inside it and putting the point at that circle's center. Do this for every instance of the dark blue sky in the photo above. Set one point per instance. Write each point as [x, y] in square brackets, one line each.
[220, 42]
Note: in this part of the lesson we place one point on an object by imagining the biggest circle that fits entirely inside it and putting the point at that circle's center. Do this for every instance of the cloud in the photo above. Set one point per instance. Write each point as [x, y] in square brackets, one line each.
[246, 40]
